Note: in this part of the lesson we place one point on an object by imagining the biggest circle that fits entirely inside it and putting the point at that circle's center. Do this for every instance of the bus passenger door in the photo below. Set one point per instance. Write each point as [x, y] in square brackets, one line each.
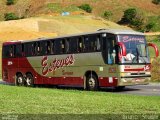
[110, 55]
[109, 51]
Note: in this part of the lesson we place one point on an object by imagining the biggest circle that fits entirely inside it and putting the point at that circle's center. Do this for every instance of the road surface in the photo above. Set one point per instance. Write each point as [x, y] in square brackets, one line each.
[153, 89]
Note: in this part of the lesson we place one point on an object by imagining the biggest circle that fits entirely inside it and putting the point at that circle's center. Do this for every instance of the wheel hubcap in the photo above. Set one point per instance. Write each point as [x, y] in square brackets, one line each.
[28, 81]
[92, 82]
[20, 80]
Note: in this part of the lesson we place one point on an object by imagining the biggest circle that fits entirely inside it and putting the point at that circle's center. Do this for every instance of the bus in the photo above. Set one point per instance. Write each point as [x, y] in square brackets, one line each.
[103, 58]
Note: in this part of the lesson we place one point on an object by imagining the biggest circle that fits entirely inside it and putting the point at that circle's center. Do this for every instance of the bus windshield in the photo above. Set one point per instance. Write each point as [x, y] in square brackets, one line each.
[136, 50]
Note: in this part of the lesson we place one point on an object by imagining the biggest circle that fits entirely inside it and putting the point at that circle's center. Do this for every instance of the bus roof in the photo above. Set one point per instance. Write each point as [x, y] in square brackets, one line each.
[112, 31]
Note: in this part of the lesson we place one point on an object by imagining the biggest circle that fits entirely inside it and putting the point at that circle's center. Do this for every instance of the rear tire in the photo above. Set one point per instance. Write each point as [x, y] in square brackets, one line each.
[19, 80]
[92, 83]
[29, 80]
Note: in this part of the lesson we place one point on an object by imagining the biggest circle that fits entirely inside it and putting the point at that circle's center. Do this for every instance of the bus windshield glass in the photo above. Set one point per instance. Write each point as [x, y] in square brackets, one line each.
[136, 50]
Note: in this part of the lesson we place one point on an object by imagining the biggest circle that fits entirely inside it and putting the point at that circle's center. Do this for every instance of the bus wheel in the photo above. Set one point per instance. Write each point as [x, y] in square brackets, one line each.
[119, 88]
[92, 83]
[19, 80]
[29, 80]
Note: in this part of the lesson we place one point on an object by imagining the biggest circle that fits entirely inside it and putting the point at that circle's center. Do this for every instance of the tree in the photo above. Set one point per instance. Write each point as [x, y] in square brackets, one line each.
[134, 18]
[129, 15]
[86, 7]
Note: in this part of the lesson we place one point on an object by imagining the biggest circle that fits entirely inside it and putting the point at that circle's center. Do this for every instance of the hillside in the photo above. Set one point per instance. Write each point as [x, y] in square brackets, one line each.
[32, 7]
[50, 26]
[115, 9]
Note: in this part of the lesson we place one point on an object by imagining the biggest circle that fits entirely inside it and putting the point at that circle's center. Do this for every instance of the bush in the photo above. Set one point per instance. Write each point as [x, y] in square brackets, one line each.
[86, 7]
[10, 2]
[10, 16]
[107, 14]
[156, 2]
[150, 26]
[129, 15]
[134, 18]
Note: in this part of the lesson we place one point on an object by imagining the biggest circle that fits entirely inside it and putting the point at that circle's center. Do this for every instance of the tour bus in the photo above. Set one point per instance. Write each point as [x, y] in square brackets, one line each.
[103, 58]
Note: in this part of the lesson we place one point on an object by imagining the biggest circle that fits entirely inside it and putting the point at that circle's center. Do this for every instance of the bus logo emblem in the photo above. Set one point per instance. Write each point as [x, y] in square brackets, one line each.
[55, 64]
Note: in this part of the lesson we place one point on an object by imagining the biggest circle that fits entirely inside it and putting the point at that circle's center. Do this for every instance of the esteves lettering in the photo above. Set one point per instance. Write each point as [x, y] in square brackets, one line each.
[55, 64]
[129, 39]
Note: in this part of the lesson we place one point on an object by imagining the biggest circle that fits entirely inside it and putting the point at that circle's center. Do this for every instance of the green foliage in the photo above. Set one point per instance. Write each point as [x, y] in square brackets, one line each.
[86, 7]
[150, 26]
[155, 20]
[10, 16]
[56, 7]
[156, 2]
[107, 14]
[10, 2]
[134, 18]
[129, 15]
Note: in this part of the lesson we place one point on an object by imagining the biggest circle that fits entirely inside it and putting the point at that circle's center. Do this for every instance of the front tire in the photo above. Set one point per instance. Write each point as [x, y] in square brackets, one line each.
[92, 83]
[19, 80]
[29, 80]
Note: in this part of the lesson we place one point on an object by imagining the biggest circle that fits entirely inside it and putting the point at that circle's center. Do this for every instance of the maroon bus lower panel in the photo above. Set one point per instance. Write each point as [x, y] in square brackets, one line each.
[105, 82]
[71, 81]
[75, 81]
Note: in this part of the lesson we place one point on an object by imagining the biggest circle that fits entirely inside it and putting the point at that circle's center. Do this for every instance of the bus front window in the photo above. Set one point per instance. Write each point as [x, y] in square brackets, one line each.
[136, 50]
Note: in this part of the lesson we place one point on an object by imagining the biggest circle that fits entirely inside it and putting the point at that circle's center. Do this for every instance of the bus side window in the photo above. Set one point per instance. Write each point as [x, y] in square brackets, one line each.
[23, 52]
[67, 45]
[7, 53]
[73, 45]
[31, 49]
[19, 50]
[52, 47]
[57, 46]
[38, 48]
[48, 47]
[63, 46]
[86, 46]
[34, 52]
[93, 46]
[98, 43]
[12, 51]
[80, 44]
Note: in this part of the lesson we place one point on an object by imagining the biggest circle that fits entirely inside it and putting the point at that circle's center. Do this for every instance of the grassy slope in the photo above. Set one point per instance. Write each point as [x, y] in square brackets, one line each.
[115, 6]
[99, 6]
[23, 100]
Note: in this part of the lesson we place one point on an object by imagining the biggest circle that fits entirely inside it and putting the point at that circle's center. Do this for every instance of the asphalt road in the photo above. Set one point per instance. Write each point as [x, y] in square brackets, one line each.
[152, 89]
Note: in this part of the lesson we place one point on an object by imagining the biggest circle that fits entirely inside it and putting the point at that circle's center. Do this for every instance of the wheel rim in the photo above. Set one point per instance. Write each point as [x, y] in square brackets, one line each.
[28, 81]
[91, 82]
[20, 80]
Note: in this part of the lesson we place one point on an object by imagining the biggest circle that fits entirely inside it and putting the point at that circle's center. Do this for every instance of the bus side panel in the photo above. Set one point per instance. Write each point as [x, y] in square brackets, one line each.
[26, 67]
[9, 68]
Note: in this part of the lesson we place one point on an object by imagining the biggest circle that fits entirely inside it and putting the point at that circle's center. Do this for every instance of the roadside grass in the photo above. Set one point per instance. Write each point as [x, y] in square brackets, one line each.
[23, 100]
